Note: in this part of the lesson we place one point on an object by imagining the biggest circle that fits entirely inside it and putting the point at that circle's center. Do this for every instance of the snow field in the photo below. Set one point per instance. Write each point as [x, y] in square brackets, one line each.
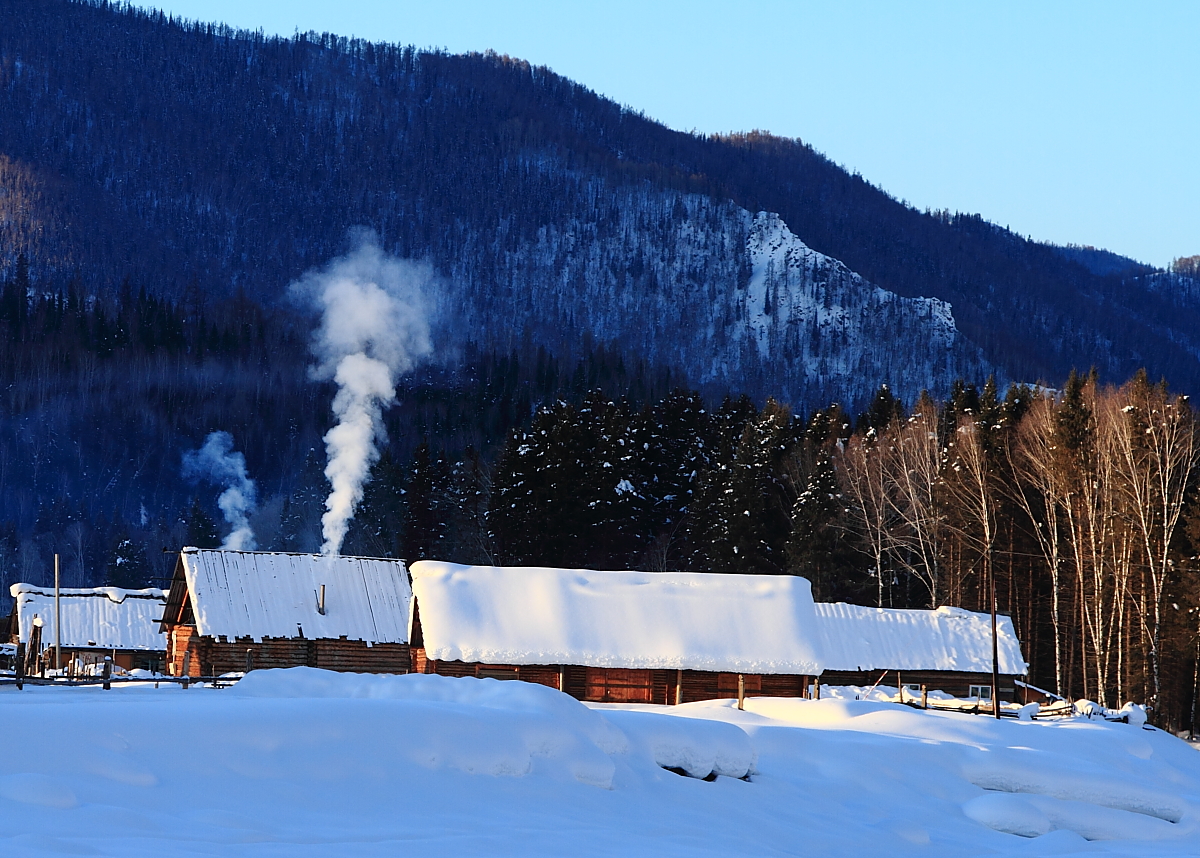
[303, 762]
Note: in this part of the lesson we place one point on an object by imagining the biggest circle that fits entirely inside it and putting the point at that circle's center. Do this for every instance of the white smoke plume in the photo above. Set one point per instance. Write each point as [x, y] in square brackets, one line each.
[374, 328]
[217, 463]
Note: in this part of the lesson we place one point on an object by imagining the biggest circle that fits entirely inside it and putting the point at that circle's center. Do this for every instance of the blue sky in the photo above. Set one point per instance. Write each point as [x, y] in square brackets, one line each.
[1068, 122]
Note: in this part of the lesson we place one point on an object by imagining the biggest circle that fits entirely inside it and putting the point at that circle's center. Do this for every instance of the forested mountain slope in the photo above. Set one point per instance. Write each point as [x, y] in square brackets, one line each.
[194, 156]
[161, 185]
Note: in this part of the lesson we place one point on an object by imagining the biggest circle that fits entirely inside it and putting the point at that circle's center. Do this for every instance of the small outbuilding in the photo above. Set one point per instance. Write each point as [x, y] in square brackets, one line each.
[96, 622]
[622, 637]
[230, 611]
[948, 649]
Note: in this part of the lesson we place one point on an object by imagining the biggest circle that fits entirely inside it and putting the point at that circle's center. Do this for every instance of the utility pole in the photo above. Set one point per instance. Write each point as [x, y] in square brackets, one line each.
[57, 619]
[995, 649]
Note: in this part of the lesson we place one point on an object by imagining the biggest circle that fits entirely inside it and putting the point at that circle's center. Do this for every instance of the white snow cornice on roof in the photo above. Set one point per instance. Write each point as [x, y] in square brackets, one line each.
[855, 638]
[93, 618]
[532, 615]
[261, 594]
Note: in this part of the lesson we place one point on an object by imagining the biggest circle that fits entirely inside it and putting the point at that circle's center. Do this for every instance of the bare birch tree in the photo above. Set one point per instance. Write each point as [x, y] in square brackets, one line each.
[864, 476]
[1039, 490]
[1154, 449]
[914, 470]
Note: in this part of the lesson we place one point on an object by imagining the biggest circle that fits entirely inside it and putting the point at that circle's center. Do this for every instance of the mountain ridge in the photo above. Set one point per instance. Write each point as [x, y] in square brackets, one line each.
[196, 157]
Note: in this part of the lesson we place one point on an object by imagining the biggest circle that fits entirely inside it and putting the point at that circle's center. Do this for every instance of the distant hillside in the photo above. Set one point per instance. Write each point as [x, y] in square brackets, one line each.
[195, 157]
[1101, 262]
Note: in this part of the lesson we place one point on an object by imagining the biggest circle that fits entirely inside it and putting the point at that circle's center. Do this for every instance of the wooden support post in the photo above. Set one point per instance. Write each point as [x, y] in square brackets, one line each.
[20, 666]
[924, 696]
[187, 665]
[900, 686]
[562, 677]
[107, 675]
[34, 649]
[741, 691]
[817, 686]
[678, 687]
[249, 660]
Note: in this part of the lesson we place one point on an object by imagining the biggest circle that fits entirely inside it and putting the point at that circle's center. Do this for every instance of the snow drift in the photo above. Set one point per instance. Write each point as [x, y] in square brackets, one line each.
[302, 762]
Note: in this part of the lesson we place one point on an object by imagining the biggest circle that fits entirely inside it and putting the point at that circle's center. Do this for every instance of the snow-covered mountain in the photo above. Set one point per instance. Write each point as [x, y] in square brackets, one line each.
[730, 299]
[192, 160]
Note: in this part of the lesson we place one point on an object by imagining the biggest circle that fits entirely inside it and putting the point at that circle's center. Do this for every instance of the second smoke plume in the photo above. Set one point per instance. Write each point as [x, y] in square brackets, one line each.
[217, 462]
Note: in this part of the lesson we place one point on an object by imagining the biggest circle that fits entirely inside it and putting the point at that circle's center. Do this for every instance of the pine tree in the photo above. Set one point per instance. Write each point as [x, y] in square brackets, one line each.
[747, 519]
[201, 530]
[470, 491]
[127, 566]
[617, 507]
[675, 441]
[426, 510]
[883, 410]
[378, 520]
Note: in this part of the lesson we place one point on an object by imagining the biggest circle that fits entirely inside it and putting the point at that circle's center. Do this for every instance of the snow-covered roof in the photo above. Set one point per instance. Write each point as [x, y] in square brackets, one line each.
[261, 594]
[530, 615]
[101, 617]
[859, 638]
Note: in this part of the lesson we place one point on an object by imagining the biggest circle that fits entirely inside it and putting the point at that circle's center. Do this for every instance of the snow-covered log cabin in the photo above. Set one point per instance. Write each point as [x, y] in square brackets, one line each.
[96, 622]
[948, 649]
[628, 637]
[238, 610]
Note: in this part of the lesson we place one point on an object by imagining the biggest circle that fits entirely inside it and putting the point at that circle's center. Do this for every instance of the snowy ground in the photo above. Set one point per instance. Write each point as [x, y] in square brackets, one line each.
[306, 763]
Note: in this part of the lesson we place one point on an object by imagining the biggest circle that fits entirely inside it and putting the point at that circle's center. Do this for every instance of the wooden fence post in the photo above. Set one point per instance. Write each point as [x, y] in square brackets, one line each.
[20, 666]
[250, 659]
[924, 696]
[678, 687]
[741, 691]
[107, 675]
[187, 666]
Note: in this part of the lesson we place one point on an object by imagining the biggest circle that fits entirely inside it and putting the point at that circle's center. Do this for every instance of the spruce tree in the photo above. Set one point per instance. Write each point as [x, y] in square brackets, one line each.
[426, 508]
[127, 567]
[201, 530]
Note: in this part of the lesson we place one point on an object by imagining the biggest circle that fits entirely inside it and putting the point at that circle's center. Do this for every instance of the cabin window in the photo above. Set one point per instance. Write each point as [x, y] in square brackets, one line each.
[912, 687]
[980, 692]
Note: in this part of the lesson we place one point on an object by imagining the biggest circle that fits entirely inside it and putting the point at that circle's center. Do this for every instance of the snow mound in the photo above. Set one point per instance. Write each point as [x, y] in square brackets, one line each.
[36, 789]
[1008, 813]
[1035, 815]
[308, 763]
[699, 747]
[1066, 778]
[474, 725]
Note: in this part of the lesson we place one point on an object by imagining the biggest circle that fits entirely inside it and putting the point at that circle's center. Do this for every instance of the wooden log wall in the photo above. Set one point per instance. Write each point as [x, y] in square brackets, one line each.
[214, 656]
[957, 683]
[621, 685]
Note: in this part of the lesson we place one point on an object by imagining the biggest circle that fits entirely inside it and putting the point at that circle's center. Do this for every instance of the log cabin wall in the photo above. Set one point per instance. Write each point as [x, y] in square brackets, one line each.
[957, 683]
[622, 685]
[178, 642]
[214, 656]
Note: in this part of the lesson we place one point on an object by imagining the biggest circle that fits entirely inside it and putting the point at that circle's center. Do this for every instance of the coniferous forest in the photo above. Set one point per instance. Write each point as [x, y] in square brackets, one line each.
[631, 372]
